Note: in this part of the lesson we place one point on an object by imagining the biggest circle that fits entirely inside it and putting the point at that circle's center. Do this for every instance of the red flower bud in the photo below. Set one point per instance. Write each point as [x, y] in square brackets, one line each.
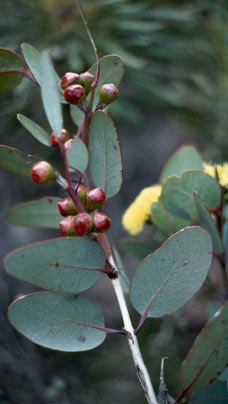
[68, 79]
[66, 207]
[74, 94]
[63, 138]
[43, 172]
[68, 144]
[108, 93]
[66, 226]
[86, 79]
[95, 198]
[101, 222]
[82, 224]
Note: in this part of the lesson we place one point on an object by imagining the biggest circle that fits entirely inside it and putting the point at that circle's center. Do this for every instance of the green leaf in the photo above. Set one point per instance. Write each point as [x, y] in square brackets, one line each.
[42, 213]
[224, 375]
[208, 223]
[112, 69]
[78, 156]
[10, 62]
[36, 131]
[105, 162]
[50, 94]
[166, 221]
[55, 321]
[168, 278]
[177, 197]
[76, 114]
[140, 249]
[32, 58]
[208, 356]
[15, 160]
[63, 264]
[185, 158]
[215, 393]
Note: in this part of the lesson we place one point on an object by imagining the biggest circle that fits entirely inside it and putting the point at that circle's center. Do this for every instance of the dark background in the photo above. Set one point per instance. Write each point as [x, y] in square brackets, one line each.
[174, 92]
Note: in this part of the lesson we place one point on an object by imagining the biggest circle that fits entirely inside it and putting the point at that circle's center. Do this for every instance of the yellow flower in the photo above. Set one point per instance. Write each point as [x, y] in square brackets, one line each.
[209, 169]
[139, 211]
[222, 171]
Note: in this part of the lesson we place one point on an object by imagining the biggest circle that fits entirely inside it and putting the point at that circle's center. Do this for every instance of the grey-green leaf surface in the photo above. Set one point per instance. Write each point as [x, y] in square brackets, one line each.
[177, 197]
[42, 213]
[215, 393]
[112, 69]
[62, 264]
[35, 130]
[78, 156]
[9, 63]
[32, 58]
[125, 282]
[50, 94]
[76, 114]
[185, 158]
[166, 221]
[208, 223]
[16, 161]
[60, 322]
[168, 278]
[225, 234]
[208, 356]
[105, 160]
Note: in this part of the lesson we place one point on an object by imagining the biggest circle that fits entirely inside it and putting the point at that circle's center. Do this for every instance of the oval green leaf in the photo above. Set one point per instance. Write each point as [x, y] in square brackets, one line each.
[208, 223]
[112, 69]
[165, 220]
[16, 161]
[63, 265]
[177, 197]
[215, 393]
[42, 213]
[32, 58]
[208, 356]
[76, 114]
[50, 94]
[105, 160]
[168, 278]
[185, 158]
[10, 66]
[78, 156]
[55, 321]
[35, 130]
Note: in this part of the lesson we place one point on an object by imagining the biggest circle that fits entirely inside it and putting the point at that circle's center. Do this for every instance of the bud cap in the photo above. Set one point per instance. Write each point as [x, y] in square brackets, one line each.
[66, 207]
[74, 94]
[66, 226]
[68, 79]
[43, 172]
[95, 198]
[108, 93]
[101, 222]
[82, 224]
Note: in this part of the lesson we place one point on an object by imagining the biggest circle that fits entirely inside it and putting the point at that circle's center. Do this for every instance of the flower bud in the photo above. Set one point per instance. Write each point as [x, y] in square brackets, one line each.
[108, 93]
[68, 79]
[82, 192]
[68, 144]
[95, 198]
[82, 224]
[63, 138]
[67, 207]
[66, 226]
[43, 172]
[101, 222]
[86, 79]
[74, 94]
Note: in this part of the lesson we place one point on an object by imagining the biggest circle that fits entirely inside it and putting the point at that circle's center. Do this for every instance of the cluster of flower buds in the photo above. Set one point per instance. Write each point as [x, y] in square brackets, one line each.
[42, 172]
[65, 136]
[83, 223]
[76, 86]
